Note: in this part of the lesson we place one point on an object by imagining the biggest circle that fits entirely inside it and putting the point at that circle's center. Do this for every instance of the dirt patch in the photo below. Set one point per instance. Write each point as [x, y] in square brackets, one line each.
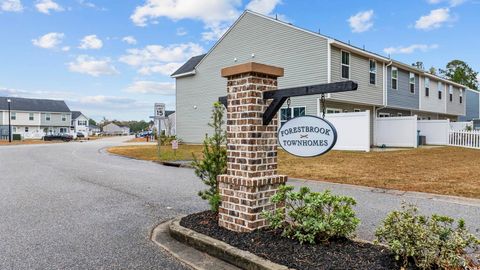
[269, 244]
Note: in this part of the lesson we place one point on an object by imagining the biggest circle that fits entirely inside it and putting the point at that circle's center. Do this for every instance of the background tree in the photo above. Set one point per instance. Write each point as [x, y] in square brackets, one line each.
[92, 122]
[433, 71]
[460, 72]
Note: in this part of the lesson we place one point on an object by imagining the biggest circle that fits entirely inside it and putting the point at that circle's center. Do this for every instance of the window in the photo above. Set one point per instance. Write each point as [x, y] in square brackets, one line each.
[47, 117]
[439, 86]
[450, 92]
[333, 110]
[31, 117]
[82, 122]
[13, 116]
[357, 110]
[427, 87]
[383, 115]
[285, 114]
[26, 129]
[412, 82]
[63, 130]
[461, 96]
[373, 71]
[399, 114]
[64, 117]
[345, 65]
[14, 129]
[394, 78]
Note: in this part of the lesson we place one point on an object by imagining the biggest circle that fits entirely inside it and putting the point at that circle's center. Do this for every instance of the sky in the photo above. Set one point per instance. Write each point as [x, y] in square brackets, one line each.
[110, 58]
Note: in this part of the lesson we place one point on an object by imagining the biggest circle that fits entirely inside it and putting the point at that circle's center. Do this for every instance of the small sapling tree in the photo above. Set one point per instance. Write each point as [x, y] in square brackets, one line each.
[214, 160]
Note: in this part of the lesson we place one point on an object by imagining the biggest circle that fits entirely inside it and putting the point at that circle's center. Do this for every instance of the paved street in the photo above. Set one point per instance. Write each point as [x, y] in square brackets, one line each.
[73, 206]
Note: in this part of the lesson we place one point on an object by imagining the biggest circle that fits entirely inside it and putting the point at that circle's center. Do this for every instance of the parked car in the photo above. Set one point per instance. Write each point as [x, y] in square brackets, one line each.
[80, 135]
[58, 137]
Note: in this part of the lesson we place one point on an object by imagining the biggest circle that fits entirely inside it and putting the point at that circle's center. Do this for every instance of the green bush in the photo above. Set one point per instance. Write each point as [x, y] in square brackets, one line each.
[431, 242]
[16, 137]
[214, 160]
[312, 216]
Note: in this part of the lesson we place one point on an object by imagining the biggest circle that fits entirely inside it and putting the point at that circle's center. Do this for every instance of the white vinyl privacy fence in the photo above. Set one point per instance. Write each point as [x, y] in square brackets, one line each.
[435, 131]
[464, 138]
[353, 130]
[396, 131]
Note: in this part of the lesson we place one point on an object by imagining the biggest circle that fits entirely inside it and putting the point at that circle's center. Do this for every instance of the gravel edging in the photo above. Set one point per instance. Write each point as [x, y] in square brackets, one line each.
[222, 250]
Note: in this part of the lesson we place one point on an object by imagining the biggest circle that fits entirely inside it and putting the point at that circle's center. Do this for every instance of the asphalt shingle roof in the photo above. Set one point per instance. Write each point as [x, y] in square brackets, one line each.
[34, 105]
[167, 113]
[76, 114]
[189, 65]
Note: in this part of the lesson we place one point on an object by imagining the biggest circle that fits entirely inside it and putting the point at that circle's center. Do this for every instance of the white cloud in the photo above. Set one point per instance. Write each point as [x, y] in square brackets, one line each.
[152, 87]
[435, 19]
[95, 67]
[130, 40]
[45, 6]
[263, 6]
[216, 15]
[160, 59]
[452, 3]
[362, 21]
[410, 49]
[66, 48]
[181, 31]
[91, 42]
[49, 41]
[165, 69]
[11, 5]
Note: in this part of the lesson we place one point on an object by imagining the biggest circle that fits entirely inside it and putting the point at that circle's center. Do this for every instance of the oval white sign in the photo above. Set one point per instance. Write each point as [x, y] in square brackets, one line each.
[307, 136]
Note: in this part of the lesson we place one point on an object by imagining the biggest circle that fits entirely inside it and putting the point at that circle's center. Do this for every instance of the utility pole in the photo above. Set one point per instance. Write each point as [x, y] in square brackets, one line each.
[9, 122]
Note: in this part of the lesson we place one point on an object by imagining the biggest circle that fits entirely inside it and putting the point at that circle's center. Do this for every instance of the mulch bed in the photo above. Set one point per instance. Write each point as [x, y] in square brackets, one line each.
[269, 244]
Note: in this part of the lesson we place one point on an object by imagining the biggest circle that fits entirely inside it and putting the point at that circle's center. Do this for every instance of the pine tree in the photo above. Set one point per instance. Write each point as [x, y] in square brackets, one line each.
[214, 160]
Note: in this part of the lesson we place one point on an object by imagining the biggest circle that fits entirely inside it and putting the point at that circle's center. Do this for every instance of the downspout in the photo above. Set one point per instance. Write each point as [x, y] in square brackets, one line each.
[385, 99]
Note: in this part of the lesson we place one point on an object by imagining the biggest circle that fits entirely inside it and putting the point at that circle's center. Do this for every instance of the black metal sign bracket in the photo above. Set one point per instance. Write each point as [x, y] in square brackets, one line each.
[279, 96]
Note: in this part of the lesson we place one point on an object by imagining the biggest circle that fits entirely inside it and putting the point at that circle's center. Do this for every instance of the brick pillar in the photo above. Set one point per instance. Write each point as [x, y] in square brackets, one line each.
[251, 177]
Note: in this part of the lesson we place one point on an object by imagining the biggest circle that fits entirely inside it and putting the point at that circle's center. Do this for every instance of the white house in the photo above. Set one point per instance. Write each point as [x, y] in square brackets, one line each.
[113, 129]
[33, 118]
[79, 124]
[93, 130]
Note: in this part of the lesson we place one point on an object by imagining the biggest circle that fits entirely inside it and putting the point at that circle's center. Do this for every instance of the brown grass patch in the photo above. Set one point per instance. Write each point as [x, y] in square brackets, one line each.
[443, 170]
[3, 142]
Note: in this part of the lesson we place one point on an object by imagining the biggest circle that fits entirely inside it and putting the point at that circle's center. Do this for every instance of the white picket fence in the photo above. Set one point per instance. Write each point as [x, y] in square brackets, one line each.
[464, 138]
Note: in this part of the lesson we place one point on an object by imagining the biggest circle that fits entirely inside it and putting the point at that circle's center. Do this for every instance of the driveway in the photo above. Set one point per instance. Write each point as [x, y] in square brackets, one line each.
[73, 206]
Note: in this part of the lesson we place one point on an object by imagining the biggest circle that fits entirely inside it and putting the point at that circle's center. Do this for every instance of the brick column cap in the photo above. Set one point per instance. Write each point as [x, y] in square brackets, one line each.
[252, 67]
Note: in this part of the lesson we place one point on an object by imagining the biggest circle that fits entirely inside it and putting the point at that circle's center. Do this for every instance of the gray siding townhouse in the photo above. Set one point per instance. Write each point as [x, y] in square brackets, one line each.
[33, 118]
[473, 106]
[386, 87]
[79, 124]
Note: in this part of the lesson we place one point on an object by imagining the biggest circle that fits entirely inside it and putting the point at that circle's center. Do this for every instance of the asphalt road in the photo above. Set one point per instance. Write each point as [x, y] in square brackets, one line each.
[73, 206]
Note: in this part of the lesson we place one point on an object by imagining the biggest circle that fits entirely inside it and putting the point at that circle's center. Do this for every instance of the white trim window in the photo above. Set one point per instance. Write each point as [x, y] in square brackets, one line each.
[394, 78]
[412, 82]
[64, 117]
[439, 88]
[450, 93]
[26, 129]
[357, 110]
[461, 96]
[345, 65]
[13, 116]
[332, 110]
[373, 71]
[48, 117]
[82, 122]
[31, 117]
[383, 114]
[14, 129]
[427, 87]
[292, 112]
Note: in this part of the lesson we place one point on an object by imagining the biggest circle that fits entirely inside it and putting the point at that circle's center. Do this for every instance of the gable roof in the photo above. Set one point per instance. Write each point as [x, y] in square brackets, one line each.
[168, 113]
[33, 105]
[333, 41]
[189, 67]
[76, 114]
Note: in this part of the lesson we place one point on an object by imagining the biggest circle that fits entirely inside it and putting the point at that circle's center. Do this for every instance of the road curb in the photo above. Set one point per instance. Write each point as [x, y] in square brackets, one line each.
[221, 250]
[187, 255]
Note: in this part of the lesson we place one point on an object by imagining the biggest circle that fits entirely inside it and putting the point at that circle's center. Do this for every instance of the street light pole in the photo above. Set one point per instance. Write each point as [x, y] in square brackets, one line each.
[9, 122]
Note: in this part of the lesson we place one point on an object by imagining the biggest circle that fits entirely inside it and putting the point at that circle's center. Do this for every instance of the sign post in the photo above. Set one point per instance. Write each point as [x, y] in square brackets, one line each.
[174, 148]
[252, 104]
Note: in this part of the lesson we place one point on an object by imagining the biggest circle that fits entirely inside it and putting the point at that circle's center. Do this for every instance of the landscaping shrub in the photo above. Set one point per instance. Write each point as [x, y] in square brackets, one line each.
[16, 137]
[312, 216]
[431, 242]
[214, 160]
